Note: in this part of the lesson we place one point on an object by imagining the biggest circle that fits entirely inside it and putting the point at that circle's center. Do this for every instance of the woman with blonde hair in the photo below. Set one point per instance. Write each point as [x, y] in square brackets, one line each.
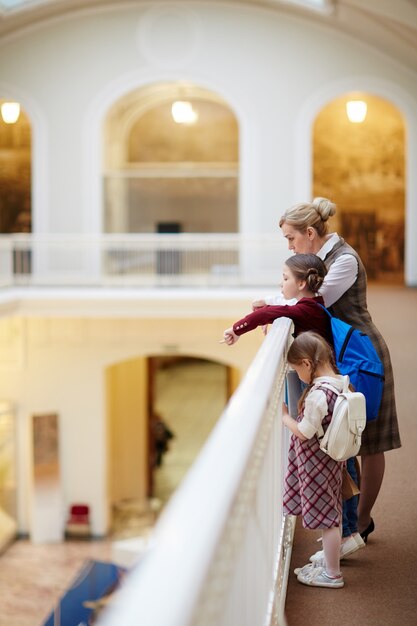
[305, 226]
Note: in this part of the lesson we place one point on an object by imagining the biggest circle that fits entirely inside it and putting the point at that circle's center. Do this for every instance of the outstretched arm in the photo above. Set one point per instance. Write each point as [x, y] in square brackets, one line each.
[262, 316]
[230, 337]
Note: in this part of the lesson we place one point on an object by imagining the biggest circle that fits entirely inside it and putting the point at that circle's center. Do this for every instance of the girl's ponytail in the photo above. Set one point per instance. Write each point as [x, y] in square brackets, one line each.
[314, 279]
[308, 267]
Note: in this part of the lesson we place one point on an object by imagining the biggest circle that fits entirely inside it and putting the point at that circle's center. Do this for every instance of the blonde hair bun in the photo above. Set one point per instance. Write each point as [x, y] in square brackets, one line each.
[324, 208]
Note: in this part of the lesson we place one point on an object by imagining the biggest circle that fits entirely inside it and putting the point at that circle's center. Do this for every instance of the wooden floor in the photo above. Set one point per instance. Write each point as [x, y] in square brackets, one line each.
[380, 580]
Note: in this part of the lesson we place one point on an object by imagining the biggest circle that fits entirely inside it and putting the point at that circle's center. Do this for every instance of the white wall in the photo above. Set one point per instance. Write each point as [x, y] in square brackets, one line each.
[274, 69]
[58, 366]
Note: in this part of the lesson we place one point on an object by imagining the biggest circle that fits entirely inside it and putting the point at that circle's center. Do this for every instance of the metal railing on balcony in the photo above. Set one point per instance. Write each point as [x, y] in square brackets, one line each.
[220, 552]
[143, 260]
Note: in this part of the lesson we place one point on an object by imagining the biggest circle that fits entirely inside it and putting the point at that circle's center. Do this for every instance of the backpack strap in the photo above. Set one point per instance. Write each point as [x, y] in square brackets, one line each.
[324, 309]
[346, 383]
[327, 385]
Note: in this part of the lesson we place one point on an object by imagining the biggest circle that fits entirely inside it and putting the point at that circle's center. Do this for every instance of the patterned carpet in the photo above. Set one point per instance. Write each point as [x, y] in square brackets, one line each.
[34, 577]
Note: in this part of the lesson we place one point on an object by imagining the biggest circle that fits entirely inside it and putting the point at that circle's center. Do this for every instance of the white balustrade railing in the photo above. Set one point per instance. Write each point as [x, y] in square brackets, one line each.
[148, 260]
[220, 551]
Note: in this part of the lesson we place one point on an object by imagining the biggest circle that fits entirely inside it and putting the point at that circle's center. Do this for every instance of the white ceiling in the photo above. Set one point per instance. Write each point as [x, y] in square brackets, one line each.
[389, 25]
[10, 5]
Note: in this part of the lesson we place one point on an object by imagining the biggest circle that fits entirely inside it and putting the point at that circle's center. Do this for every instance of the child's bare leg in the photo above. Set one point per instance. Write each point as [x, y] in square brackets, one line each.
[331, 547]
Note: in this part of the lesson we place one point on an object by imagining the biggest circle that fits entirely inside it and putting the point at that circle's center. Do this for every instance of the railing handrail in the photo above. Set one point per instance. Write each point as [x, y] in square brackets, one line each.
[164, 589]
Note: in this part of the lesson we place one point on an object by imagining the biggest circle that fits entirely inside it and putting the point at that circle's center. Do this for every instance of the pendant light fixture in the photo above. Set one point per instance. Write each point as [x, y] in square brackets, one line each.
[183, 112]
[10, 112]
[356, 111]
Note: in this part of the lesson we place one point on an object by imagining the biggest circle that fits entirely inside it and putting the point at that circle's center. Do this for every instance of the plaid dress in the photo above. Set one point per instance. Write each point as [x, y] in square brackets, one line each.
[381, 434]
[313, 483]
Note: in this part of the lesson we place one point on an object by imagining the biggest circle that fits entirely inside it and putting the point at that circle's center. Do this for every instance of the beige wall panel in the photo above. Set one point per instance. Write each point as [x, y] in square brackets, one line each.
[61, 374]
[127, 429]
[234, 376]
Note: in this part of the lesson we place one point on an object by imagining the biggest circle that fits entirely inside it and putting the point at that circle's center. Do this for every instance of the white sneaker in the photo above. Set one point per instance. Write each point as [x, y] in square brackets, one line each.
[318, 577]
[357, 537]
[347, 548]
[308, 567]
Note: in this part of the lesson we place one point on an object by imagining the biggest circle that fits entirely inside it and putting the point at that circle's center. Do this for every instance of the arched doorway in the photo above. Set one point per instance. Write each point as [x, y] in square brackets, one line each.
[146, 397]
[187, 397]
[15, 170]
[361, 167]
[165, 173]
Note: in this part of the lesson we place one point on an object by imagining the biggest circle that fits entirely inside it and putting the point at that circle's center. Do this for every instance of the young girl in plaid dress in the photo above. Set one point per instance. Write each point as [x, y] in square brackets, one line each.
[313, 483]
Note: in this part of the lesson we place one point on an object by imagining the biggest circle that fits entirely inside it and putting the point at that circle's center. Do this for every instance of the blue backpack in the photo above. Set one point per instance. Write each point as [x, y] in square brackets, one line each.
[357, 357]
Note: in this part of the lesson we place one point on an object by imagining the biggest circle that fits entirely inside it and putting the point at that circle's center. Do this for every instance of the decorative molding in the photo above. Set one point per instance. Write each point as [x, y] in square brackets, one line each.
[169, 36]
[176, 170]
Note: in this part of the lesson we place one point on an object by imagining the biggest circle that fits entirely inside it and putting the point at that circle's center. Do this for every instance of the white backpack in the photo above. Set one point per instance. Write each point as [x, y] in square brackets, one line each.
[342, 438]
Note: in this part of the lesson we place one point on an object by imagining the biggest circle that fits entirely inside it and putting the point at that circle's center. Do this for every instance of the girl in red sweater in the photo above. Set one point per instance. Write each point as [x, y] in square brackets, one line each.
[302, 277]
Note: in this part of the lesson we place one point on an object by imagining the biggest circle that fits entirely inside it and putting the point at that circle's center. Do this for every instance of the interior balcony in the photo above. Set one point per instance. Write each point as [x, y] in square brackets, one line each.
[112, 274]
[222, 544]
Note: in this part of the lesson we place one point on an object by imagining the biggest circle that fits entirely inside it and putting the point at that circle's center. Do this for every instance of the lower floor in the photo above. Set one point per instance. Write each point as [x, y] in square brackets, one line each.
[380, 581]
[33, 577]
[189, 395]
[81, 413]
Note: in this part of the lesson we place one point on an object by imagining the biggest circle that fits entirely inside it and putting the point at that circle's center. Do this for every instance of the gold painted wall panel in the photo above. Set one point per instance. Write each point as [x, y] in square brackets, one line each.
[213, 138]
[15, 176]
[361, 167]
[127, 408]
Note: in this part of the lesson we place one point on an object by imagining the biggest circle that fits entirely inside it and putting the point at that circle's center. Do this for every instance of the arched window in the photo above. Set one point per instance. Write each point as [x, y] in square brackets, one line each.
[15, 172]
[171, 162]
[360, 165]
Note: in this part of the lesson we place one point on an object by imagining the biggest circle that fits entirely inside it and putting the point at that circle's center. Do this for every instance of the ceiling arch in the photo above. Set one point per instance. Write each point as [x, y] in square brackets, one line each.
[388, 26]
[8, 7]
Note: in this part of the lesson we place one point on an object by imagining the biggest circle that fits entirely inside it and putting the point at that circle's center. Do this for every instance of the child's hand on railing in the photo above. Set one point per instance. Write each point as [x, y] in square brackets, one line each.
[258, 304]
[229, 337]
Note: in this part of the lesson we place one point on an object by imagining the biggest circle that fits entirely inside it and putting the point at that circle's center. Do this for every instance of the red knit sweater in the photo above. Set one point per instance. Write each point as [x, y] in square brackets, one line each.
[305, 314]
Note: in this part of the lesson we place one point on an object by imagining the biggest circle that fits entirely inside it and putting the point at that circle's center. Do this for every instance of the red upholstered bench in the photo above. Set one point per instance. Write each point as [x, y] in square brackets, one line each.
[78, 522]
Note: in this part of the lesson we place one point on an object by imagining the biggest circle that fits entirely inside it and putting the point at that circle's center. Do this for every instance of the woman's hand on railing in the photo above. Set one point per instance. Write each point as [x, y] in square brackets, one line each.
[229, 337]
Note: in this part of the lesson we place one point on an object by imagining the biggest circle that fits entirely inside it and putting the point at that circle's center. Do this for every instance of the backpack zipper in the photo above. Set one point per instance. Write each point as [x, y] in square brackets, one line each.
[345, 343]
[372, 374]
